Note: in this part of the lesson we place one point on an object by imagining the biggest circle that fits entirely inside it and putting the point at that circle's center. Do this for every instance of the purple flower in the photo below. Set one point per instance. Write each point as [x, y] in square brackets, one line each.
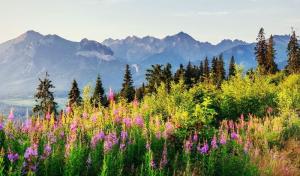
[152, 164]
[139, 121]
[110, 140]
[127, 121]
[94, 118]
[214, 142]
[124, 135]
[195, 137]
[96, 138]
[47, 151]
[13, 157]
[84, 115]
[204, 149]
[122, 146]
[48, 116]
[11, 115]
[1, 126]
[73, 126]
[110, 95]
[164, 160]
[222, 139]
[31, 152]
[234, 135]
[68, 109]
[188, 145]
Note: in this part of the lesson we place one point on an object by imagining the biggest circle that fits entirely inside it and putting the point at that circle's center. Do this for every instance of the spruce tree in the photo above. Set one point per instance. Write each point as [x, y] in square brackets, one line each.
[179, 74]
[74, 94]
[220, 71]
[271, 66]
[261, 52]
[206, 69]
[201, 72]
[140, 92]
[167, 76]
[231, 69]
[44, 97]
[154, 77]
[127, 90]
[214, 70]
[293, 54]
[99, 97]
[189, 75]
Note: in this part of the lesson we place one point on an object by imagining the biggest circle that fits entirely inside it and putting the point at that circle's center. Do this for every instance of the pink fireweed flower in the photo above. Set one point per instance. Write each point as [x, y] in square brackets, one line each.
[48, 116]
[164, 160]
[110, 140]
[11, 115]
[47, 151]
[234, 135]
[139, 121]
[122, 146]
[214, 142]
[195, 137]
[96, 138]
[231, 125]
[124, 135]
[148, 145]
[13, 157]
[94, 118]
[152, 164]
[73, 126]
[169, 129]
[1, 126]
[188, 145]
[127, 121]
[68, 110]
[85, 115]
[204, 149]
[269, 110]
[135, 103]
[223, 139]
[110, 95]
[158, 135]
[31, 152]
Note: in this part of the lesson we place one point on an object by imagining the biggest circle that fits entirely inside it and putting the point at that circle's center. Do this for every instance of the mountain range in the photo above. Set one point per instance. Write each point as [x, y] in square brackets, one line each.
[26, 58]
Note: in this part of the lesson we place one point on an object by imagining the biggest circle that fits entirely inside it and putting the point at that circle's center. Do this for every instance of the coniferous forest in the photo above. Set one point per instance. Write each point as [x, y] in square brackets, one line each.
[208, 118]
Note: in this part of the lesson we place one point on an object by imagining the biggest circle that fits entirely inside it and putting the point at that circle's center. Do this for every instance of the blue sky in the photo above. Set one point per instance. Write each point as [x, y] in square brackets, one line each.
[205, 20]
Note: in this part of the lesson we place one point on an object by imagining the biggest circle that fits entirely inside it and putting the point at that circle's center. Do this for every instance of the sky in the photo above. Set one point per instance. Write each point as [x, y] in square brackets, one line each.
[205, 20]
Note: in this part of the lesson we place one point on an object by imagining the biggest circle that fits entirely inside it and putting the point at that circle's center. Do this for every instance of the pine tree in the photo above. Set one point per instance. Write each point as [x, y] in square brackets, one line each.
[232, 70]
[127, 90]
[293, 54]
[214, 70]
[206, 69]
[220, 71]
[140, 92]
[99, 97]
[201, 72]
[261, 51]
[179, 74]
[167, 76]
[153, 77]
[189, 75]
[74, 94]
[44, 97]
[271, 66]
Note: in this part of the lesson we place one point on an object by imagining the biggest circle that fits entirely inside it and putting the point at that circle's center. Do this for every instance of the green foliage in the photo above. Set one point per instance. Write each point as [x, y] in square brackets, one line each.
[127, 90]
[74, 94]
[44, 97]
[247, 95]
[99, 97]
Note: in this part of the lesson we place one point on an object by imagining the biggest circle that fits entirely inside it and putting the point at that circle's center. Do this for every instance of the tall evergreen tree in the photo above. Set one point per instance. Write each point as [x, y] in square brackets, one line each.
[206, 69]
[220, 70]
[271, 66]
[231, 69]
[179, 74]
[293, 54]
[167, 76]
[99, 97]
[44, 97]
[201, 72]
[127, 90]
[153, 77]
[261, 52]
[74, 94]
[140, 92]
[214, 70]
[189, 75]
